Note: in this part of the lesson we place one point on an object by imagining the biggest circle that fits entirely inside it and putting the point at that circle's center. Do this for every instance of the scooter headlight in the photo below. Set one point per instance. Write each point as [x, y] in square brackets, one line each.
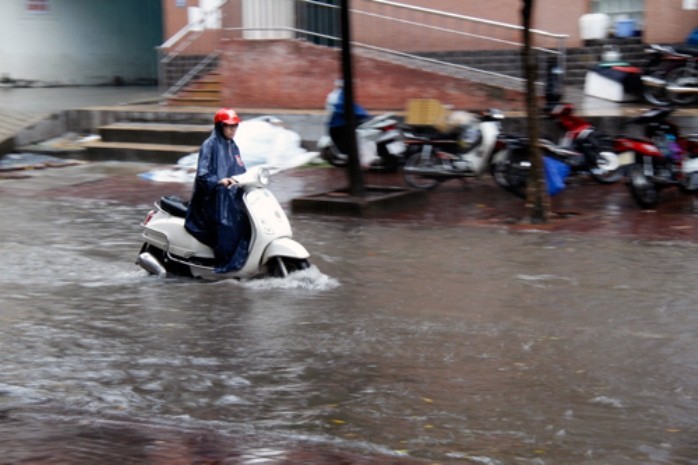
[263, 176]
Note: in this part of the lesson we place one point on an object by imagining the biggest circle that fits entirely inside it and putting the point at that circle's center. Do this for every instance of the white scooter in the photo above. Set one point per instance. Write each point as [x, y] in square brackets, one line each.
[379, 141]
[465, 150]
[168, 249]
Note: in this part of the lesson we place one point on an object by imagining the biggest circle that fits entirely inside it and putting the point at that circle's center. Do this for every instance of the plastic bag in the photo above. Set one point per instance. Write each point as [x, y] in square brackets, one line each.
[555, 174]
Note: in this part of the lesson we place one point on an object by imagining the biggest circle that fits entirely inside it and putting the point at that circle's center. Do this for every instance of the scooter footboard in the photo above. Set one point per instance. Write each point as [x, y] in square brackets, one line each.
[284, 247]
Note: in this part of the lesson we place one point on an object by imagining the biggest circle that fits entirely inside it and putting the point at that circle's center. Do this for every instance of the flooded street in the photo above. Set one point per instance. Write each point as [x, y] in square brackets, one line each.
[407, 340]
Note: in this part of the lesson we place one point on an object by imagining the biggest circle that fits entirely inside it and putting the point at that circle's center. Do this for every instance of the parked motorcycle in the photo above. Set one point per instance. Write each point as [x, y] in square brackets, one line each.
[379, 142]
[511, 164]
[462, 152]
[168, 248]
[670, 75]
[583, 147]
[661, 159]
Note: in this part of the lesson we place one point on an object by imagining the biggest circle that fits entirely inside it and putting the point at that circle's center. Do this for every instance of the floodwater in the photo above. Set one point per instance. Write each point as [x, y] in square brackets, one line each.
[449, 345]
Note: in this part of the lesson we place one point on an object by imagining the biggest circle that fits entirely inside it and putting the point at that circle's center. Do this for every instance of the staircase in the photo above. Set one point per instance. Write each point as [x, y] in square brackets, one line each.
[155, 142]
[203, 92]
[579, 60]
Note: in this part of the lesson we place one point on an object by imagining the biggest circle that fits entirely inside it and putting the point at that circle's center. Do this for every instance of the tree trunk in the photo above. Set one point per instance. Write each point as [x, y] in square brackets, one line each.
[537, 199]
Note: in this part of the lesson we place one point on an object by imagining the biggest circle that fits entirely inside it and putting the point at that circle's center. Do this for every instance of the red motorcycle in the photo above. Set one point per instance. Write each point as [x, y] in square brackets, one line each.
[596, 154]
[662, 158]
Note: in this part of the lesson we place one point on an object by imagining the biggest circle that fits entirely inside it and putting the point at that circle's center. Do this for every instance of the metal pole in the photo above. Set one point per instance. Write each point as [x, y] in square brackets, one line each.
[356, 183]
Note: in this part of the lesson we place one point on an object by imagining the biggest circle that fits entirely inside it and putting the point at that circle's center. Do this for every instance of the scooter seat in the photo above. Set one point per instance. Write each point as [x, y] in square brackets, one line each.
[174, 205]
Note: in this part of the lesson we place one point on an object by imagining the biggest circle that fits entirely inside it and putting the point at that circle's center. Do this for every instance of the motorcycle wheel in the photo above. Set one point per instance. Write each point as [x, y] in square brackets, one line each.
[684, 77]
[507, 176]
[644, 192]
[595, 153]
[281, 267]
[656, 95]
[334, 157]
[419, 181]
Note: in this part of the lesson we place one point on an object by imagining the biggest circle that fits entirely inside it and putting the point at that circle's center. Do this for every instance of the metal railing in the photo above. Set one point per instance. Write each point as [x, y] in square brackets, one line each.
[190, 53]
[450, 43]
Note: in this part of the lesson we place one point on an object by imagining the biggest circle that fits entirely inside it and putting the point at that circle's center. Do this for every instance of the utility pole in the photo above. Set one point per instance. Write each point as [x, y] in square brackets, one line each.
[537, 199]
[356, 182]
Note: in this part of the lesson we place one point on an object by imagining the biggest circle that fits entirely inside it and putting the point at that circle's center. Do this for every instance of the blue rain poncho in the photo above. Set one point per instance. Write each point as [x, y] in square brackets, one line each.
[216, 215]
[338, 118]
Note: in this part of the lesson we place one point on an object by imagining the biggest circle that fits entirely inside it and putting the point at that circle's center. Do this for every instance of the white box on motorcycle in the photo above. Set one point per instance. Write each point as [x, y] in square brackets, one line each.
[600, 84]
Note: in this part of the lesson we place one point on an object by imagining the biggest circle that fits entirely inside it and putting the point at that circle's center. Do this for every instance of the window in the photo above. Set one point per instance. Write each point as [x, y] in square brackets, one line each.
[37, 6]
[621, 9]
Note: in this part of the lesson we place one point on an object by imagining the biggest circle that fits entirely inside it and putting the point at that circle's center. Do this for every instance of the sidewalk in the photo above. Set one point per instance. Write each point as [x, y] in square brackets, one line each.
[22, 107]
[584, 207]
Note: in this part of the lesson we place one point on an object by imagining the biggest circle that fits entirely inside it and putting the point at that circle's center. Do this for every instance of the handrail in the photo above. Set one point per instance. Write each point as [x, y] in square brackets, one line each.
[468, 18]
[181, 41]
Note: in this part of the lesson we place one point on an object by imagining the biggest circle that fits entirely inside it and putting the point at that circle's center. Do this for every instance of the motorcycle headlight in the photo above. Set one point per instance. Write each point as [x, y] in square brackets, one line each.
[263, 176]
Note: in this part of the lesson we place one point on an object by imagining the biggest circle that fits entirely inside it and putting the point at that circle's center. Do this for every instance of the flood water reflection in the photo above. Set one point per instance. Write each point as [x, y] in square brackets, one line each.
[447, 344]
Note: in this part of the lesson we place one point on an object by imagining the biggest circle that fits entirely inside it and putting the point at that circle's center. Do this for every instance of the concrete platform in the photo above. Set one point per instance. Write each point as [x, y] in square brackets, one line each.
[379, 200]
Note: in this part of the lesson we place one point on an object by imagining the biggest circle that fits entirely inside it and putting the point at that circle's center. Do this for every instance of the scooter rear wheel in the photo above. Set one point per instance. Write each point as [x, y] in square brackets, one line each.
[334, 157]
[643, 190]
[656, 95]
[420, 181]
[683, 77]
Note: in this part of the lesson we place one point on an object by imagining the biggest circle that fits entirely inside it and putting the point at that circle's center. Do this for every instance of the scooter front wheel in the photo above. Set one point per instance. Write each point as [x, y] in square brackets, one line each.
[509, 174]
[602, 160]
[281, 267]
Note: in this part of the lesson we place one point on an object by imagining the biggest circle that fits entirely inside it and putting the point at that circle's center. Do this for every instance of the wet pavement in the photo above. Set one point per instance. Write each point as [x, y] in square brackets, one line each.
[37, 433]
[584, 207]
[520, 357]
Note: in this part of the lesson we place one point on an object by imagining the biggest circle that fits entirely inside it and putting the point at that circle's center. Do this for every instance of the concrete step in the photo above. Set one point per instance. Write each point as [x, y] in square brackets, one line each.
[194, 101]
[131, 151]
[214, 94]
[578, 60]
[203, 92]
[155, 133]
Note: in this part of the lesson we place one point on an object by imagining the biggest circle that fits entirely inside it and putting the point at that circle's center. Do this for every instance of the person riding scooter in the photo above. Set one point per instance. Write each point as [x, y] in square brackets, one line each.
[215, 215]
[338, 119]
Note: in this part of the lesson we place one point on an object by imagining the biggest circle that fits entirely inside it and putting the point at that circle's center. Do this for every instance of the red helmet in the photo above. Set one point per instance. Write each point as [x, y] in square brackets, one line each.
[226, 116]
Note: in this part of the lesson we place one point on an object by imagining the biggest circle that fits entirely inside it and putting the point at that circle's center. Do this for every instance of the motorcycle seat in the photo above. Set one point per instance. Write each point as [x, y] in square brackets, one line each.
[174, 205]
[691, 50]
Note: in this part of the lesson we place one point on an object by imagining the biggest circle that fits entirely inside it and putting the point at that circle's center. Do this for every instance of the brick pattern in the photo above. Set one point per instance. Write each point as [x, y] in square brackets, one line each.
[298, 75]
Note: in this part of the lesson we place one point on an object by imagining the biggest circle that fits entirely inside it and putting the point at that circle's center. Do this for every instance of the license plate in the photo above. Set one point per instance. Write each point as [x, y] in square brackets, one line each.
[626, 158]
[690, 165]
[396, 148]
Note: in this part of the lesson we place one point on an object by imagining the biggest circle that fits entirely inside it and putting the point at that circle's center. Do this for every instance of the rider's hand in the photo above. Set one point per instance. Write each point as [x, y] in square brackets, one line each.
[227, 182]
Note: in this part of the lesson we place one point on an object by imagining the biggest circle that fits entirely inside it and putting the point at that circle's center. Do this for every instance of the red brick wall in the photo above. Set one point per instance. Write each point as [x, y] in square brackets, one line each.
[297, 75]
[668, 22]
